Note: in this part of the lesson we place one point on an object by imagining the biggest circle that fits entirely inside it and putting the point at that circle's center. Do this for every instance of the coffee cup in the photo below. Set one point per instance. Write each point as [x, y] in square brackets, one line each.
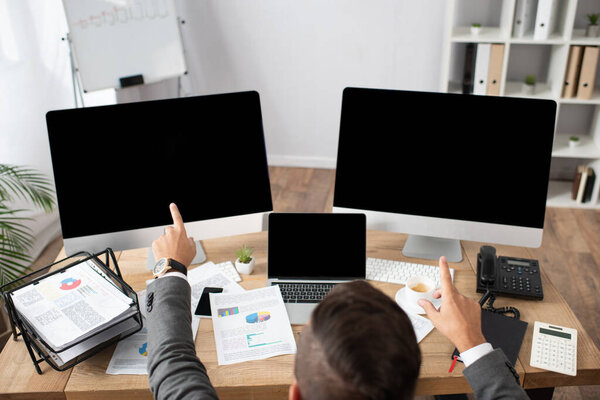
[419, 287]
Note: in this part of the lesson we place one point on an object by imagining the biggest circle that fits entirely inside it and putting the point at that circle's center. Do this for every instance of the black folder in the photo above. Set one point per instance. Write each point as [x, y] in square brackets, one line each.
[469, 68]
[502, 332]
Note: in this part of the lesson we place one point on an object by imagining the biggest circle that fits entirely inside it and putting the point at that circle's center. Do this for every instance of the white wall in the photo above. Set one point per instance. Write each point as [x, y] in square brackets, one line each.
[299, 55]
[34, 78]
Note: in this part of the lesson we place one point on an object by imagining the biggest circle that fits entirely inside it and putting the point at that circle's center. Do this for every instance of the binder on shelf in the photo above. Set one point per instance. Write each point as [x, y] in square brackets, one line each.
[81, 292]
[587, 76]
[482, 63]
[495, 69]
[582, 183]
[589, 185]
[545, 19]
[469, 68]
[524, 18]
[577, 181]
[572, 74]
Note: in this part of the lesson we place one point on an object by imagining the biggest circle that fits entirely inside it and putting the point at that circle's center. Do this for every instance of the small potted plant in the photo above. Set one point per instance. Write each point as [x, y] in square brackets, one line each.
[475, 29]
[529, 85]
[593, 29]
[245, 262]
[574, 141]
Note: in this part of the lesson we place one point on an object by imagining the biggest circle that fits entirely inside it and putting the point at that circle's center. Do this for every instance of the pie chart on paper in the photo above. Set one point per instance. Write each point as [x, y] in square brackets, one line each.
[69, 283]
[258, 317]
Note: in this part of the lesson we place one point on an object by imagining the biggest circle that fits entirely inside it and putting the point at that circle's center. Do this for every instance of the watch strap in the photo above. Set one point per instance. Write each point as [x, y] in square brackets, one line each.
[177, 266]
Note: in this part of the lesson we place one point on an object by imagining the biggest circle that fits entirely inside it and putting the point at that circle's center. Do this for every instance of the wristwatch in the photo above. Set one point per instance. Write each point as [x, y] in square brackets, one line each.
[163, 265]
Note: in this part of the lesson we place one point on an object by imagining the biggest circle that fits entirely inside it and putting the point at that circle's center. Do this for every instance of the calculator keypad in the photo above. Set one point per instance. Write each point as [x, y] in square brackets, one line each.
[554, 353]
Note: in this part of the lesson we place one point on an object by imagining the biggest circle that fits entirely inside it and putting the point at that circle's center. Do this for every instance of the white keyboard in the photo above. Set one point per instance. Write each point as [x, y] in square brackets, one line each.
[393, 271]
[229, 270]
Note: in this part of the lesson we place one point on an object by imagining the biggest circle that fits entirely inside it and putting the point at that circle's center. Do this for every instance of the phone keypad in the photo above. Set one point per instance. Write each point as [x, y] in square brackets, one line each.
[517, 277]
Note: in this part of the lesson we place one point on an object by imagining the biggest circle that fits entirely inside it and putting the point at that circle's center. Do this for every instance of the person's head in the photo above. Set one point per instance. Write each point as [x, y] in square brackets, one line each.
[358, 345]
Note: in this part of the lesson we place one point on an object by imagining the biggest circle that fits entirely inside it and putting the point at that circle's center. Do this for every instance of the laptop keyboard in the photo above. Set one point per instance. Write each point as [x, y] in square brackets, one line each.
[304, 292]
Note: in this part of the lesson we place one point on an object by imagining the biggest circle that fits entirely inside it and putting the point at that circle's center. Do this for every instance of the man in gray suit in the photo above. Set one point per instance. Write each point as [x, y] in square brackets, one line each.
[358, 344]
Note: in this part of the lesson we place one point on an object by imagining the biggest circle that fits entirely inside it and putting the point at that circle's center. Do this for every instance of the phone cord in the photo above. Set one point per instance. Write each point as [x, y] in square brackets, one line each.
[489, 297]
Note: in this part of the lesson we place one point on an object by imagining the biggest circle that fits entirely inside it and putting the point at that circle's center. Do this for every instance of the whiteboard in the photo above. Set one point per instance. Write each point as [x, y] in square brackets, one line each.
[112, 39]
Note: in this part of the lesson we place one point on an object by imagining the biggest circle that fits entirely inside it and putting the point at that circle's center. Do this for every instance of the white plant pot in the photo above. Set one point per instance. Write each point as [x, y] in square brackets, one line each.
[592, 31]
[475, 30]
[528, 90]
[243, 268]
[573, 143]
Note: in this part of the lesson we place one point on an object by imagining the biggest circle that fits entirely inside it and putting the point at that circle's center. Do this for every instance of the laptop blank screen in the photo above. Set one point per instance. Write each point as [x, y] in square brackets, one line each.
[317, 246]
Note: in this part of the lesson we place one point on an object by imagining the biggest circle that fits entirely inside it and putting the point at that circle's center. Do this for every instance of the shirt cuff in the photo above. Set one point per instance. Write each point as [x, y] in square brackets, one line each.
[468, 357]
[174, 273]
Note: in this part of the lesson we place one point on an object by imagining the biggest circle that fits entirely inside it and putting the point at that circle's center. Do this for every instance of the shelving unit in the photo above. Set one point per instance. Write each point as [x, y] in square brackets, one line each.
[547, 60]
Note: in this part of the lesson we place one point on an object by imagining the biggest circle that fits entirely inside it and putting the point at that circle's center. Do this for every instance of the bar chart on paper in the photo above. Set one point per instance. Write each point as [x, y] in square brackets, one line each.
[261, 339]
[224, 312]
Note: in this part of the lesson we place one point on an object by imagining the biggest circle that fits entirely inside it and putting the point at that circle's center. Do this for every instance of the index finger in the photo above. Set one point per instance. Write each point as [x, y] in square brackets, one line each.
[445, 276]
[177, 220]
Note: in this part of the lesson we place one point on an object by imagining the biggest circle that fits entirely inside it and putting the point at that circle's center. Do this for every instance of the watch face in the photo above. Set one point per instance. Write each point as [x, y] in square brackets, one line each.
[159, 266]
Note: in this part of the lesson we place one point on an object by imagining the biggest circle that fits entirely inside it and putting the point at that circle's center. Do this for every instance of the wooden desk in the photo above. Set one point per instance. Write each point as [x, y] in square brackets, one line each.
[269, 379]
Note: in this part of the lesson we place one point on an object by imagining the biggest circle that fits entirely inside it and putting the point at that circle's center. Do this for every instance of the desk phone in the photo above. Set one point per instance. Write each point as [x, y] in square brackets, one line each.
[508, 276]
[554, 348]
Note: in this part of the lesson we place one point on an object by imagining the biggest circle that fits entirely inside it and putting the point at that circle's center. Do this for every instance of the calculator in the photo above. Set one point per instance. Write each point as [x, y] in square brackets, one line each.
[554, 348]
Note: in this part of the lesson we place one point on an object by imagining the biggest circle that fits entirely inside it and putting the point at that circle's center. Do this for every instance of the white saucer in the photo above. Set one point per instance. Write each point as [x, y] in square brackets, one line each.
[413, 308]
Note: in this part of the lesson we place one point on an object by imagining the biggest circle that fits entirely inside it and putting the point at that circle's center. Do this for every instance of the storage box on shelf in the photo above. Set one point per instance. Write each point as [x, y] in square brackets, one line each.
[547, 58]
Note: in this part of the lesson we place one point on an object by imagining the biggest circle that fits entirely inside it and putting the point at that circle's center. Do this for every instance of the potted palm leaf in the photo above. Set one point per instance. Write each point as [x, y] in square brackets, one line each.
[16, 238]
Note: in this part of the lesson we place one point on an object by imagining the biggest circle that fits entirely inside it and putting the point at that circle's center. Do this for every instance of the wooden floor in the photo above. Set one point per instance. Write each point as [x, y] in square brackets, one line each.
[571, 236]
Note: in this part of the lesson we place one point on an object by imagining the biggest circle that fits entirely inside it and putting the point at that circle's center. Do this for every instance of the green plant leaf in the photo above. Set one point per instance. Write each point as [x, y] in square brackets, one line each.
[244, 254]
[27, 184]
[16, 238]
[13, 264]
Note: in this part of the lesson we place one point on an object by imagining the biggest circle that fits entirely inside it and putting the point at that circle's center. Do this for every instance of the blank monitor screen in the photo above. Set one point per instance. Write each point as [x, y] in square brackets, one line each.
[118, 167]
[317, 246]
[463, 157]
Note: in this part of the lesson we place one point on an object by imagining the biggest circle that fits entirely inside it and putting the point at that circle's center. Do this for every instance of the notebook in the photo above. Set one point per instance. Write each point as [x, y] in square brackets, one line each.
[502, 332]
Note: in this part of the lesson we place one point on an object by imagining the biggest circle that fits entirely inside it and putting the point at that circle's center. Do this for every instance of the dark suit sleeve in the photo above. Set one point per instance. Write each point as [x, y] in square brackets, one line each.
[493, 377]
[173, 368]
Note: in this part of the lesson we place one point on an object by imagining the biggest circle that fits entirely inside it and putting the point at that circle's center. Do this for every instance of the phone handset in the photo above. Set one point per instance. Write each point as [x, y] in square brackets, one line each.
[489, 263]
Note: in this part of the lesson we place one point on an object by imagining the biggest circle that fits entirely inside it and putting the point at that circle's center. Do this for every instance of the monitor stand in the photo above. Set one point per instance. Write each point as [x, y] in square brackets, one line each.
[432, 248]
[200, 256]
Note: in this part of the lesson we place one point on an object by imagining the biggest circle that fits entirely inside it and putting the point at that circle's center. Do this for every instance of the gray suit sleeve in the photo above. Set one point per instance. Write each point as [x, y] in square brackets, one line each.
[493, 377]
[174, 370]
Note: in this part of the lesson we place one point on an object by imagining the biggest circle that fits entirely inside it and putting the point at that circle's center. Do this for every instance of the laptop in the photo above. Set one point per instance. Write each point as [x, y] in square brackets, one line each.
[308, 254]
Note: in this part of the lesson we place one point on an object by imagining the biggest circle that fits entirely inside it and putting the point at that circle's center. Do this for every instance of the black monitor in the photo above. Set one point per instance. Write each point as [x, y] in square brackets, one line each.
[444, 167]
[117, 168]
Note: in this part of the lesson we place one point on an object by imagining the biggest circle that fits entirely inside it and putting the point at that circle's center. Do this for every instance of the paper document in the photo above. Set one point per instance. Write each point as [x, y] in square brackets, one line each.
[421, 325]
[251, 326]
[66, 307]
[97, 339]
[130, 356]
[209, 275]
[200, 277]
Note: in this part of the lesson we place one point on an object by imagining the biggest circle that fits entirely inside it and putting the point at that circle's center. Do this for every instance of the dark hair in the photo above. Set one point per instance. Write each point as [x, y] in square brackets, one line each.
[358, 345]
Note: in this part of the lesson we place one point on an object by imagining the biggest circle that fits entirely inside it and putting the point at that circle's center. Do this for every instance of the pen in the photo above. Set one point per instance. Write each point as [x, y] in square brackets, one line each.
[453, 364]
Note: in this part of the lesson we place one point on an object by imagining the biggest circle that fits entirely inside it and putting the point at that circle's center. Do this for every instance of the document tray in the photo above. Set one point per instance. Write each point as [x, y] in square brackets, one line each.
[90, 343]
